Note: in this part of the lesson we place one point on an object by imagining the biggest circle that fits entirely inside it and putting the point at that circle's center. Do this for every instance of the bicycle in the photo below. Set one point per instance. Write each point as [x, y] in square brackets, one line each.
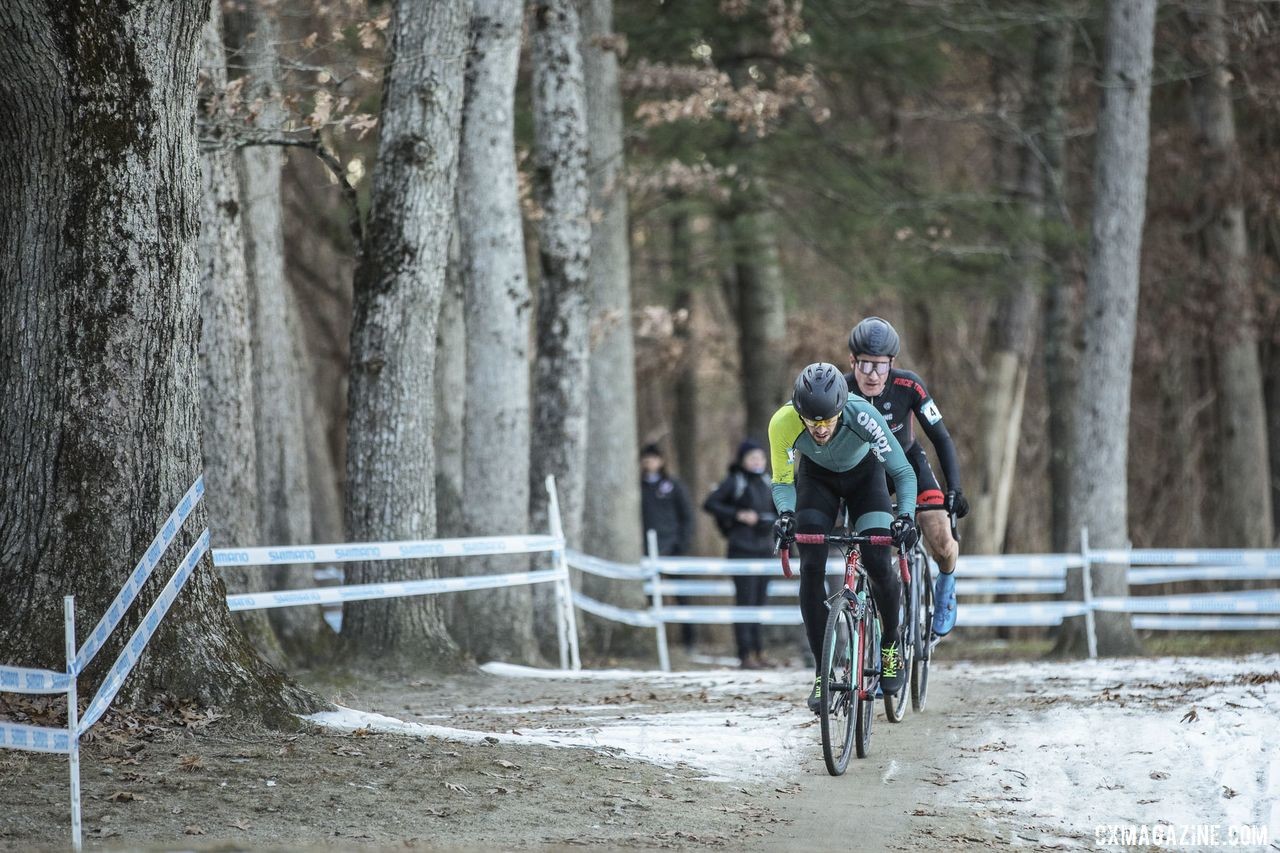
[850, 651]
[919, 627]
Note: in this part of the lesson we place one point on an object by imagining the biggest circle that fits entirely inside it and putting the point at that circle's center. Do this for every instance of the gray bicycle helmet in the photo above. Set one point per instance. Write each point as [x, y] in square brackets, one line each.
[820, 391]
[874, 336]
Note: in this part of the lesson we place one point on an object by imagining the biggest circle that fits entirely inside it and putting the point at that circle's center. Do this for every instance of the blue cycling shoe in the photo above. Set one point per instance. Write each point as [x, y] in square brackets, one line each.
[944, 604]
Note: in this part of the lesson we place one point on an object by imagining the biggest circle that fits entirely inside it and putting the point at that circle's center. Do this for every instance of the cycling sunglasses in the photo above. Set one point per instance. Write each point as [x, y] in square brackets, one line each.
[825, 422]
[868, 367]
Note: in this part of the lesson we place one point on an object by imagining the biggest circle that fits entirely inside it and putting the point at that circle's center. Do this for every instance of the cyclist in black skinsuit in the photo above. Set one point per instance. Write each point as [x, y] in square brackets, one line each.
[900, 396]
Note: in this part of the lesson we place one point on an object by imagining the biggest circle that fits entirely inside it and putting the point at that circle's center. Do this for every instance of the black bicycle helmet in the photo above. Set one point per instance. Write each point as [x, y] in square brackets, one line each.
[820, 391]
[874, 336]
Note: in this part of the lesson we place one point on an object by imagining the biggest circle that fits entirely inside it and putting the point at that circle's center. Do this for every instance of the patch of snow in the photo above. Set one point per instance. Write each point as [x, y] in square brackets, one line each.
[724, 745]
[1166, 741]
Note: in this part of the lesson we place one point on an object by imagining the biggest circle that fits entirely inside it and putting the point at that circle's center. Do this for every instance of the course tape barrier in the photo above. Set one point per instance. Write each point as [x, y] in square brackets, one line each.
[1250, 601]
[132, 650]
[168, 532]
[34, 738]
[394, 589]
[17, 679]
[1038, 566]
[699, 615]
[1206, 623]
[606, 568]
[1140, 576]
[638, 618]
[417, 549]
[1026, 614]
[791, 589]
[1187, 557]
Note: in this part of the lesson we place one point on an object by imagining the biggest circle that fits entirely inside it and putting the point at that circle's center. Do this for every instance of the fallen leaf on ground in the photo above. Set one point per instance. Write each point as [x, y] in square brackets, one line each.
[454, 786]
[193, 829]
[125, 797]
[1191, 716]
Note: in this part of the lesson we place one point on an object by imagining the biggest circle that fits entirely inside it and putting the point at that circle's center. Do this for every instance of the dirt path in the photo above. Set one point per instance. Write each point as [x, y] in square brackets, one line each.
[1033, 755]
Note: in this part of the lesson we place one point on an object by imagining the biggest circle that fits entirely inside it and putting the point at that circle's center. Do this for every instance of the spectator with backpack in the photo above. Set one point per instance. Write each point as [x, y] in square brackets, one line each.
[742, 505]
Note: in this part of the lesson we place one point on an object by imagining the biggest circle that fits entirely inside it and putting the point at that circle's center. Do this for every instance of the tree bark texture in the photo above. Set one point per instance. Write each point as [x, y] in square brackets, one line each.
[100, 333]
[684, 427]
[497, 303]
[760, 311]
[226, 361]
[1054, 51]
[1244, 508]
[390, 457]
[560, 373]
[284, 488]
[1099, 484]
[613, 489]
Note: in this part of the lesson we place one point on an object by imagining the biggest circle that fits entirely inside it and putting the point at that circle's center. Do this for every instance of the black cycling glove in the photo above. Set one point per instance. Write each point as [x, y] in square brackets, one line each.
[904, 532]
[957, 503]
[784, 529]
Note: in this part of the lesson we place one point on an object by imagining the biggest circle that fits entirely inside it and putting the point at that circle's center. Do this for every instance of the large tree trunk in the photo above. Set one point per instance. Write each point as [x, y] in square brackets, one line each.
[100, 334]
[1099, 494]
[497, 318]
[613, 491]
[226, 357]
[284, 488]
[1017, 311]
[390, 458]
[560, 373]
[1054, 46]
[760, 310]
[1244, 510]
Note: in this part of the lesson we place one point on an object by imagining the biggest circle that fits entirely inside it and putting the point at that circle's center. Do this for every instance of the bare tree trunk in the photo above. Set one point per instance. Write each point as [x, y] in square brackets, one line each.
[497, 318]
[390, 458]
[684, 427]
[612, 527]
[284, 488]
[760, 310]
[560, 373]
[1017, 311]
[451, 397]
[1244, 508]
[226, 361]
[1099, 496]
[99, 277]
[1054, 46]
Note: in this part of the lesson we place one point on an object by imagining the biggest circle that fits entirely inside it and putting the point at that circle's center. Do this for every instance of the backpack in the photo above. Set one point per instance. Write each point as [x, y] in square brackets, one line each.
[739, 487]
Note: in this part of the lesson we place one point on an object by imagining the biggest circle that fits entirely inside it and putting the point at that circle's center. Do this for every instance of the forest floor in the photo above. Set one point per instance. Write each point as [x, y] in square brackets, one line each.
[1029, 754]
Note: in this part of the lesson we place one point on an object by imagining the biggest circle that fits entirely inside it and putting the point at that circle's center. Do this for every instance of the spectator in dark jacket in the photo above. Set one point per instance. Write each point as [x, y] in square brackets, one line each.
[665, 509]
[743, 508]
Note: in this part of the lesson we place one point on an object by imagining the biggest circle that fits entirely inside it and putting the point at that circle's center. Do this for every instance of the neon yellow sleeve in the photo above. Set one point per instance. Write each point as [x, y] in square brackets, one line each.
[784, 428]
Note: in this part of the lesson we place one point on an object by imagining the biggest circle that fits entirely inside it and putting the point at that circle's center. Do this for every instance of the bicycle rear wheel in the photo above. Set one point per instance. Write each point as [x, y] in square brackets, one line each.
[869, 667]
[840, 655]
[920, 666]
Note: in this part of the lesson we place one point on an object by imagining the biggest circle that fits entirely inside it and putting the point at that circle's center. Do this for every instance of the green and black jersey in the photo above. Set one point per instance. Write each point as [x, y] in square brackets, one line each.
[861, 431]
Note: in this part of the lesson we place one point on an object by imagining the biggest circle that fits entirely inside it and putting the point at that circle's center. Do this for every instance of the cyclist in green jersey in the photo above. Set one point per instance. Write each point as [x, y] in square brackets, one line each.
[828, 444]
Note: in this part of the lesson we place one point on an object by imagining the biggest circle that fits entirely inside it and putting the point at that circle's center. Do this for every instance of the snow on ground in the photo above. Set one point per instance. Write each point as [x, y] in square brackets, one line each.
[750, 741]
[1144, 741]
[1054, 749]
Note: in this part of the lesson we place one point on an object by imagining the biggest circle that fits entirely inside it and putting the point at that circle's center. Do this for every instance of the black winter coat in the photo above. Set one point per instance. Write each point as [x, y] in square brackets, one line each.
[665, 508]
[743, 490]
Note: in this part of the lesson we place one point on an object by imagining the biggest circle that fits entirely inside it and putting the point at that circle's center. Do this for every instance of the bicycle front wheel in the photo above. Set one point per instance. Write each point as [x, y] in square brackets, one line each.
[840, 656]
[920, 666]
[869, 667]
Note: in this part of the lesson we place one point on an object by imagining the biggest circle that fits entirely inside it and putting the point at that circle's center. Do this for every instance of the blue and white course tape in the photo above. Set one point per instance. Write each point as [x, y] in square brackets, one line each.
[410, 550]
[133, 649]
[34, 738]
[98, 636]
[16, 679]
[394, 589]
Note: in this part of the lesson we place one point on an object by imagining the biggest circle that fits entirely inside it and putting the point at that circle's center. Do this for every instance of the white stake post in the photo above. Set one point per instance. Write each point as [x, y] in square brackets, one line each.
[664, 656]
[567, 619]
[73, 716]
[1090, 629]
